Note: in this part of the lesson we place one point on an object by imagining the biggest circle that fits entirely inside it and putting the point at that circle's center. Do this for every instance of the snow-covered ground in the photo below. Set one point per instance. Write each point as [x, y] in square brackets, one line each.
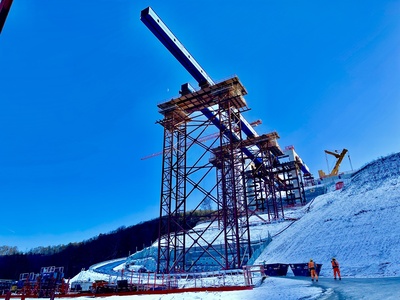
[357, 225]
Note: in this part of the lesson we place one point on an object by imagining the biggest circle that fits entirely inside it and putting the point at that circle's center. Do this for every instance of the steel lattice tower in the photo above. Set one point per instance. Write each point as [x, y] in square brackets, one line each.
[207, 160]
[199, 167]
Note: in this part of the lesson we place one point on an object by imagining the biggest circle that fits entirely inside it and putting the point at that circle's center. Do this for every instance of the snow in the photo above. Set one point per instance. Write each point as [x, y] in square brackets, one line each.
[356, 225]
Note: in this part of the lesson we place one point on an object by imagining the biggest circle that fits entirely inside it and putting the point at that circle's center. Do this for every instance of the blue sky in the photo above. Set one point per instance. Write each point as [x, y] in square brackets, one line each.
[80, 84]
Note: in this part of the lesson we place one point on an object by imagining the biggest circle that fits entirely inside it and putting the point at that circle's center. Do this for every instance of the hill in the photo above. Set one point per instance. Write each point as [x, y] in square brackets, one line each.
[357, 225]
[76, 256]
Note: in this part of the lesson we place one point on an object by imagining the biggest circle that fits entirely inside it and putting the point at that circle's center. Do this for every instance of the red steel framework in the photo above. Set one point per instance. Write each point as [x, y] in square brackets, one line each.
[197, 170]
[238, 176]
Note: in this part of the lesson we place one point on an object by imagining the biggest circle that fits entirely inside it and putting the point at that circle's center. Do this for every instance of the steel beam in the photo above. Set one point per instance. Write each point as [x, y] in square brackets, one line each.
[171, 42]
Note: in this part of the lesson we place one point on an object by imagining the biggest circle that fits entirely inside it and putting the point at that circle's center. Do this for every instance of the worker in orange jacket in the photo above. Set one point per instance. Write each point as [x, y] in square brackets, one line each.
[312, 268]
[336, 269]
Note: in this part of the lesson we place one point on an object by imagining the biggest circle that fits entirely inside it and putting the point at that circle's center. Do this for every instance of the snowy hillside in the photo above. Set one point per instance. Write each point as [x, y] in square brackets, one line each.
[357, 225]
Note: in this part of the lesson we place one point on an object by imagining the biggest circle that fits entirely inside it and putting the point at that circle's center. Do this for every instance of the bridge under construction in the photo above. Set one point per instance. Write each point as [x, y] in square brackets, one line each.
[213, 160]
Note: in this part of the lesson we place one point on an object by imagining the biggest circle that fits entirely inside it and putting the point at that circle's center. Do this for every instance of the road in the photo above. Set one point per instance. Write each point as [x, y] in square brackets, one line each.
[358, 288]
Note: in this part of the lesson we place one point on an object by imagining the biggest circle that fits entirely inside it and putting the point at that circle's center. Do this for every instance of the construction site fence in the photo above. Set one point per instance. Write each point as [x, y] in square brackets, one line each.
[145, 281]
[163, 283]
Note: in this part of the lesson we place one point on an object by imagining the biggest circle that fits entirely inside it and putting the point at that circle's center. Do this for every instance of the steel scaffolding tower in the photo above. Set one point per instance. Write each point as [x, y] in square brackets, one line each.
[189, 178]
[263, 181]
[237, 174]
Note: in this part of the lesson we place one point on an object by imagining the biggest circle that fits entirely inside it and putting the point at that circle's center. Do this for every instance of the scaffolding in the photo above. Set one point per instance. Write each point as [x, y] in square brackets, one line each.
[237, 178]
[188, 178]
[292, 192]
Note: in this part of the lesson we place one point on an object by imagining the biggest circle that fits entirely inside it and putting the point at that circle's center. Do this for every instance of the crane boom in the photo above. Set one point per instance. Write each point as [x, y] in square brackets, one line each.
[339, 159]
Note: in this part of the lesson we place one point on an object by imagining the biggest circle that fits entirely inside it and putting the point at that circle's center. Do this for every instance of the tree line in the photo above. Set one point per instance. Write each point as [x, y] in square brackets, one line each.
[78, 255]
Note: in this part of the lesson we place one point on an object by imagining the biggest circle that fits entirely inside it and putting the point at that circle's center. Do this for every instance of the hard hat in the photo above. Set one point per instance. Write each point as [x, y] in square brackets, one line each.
[333, 258]
[310, 259]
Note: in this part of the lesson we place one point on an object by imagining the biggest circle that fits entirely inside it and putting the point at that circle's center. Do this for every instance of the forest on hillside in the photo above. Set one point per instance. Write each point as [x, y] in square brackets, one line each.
[75, 256]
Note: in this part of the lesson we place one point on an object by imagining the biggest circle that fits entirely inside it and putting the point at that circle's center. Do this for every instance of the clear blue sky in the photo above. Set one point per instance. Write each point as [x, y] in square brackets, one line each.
[80, 82]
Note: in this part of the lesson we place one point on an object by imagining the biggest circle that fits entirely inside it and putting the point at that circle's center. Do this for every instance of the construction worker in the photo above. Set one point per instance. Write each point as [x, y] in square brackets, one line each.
[311, 267]
[336, 269]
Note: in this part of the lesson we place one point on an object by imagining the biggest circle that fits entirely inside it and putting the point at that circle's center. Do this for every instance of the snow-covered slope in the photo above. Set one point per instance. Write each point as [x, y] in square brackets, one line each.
[358, 225]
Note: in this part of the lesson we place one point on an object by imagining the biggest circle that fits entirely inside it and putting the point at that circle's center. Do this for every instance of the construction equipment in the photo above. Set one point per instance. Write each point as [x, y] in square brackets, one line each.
[339, 159]
[50, 280]
[5, 6]
[103, 286]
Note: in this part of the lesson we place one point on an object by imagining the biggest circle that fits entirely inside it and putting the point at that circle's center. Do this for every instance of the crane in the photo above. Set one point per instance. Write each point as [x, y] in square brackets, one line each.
[339, 159]
[5, 6]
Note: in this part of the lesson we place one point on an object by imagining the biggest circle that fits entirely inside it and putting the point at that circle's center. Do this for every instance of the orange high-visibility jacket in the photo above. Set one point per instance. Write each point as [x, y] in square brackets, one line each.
[335, 264]
[311, 265]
